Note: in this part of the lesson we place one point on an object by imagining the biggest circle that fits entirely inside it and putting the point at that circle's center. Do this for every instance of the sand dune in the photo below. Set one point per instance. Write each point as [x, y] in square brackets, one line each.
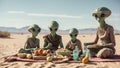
[9, 46]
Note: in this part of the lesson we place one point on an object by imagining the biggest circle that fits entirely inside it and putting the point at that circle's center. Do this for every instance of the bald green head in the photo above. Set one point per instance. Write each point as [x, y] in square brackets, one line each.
[73, 33]
[53, 26]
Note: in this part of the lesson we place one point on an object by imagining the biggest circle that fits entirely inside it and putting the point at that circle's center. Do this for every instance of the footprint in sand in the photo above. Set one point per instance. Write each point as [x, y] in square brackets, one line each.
[50, 65]
[43, 65]
[13, 64]
[28, 64]
[3, 64]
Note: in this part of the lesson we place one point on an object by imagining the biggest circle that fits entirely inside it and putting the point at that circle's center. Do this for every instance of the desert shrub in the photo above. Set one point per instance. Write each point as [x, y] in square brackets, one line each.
[4, 34]
[117, 33]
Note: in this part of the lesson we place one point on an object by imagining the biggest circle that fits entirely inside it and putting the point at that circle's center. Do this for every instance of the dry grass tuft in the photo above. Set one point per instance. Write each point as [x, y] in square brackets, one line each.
[117, 33]
[4, 34]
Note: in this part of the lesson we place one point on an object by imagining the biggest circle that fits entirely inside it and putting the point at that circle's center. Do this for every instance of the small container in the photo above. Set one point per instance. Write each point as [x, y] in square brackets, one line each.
[76, 53]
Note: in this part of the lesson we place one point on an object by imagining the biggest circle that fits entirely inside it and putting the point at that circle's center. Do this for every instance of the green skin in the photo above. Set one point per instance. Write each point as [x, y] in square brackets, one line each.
[46, 45]
[73, 39]
[34, 34]
[73, 32]
[101, 21]
[102, 24]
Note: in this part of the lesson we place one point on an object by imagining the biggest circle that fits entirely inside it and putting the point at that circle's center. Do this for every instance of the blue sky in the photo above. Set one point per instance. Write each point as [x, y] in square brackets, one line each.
[68, 13]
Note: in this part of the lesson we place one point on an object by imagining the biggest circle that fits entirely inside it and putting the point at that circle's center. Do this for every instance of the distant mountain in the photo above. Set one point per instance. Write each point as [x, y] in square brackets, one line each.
[19, 30]
[14, 30]
[25, 30]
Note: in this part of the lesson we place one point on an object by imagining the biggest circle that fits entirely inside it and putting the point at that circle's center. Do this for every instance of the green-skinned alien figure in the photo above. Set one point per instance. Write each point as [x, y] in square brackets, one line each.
[52, 40]
[74, 41]
[33, 42]
[105, 33]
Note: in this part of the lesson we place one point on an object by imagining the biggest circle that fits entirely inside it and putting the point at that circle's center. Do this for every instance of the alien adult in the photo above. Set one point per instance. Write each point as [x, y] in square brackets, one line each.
[53, 40]
[74, 41]
[32, 43]
[105, 33]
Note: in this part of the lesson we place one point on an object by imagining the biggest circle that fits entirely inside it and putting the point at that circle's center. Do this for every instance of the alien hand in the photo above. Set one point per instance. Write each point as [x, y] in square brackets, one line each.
[72, 46]
[91, 46]
[49, 46]
[86, 44]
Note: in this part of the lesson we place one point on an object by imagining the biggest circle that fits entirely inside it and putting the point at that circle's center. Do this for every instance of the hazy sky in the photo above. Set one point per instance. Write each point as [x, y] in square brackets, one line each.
[68, 13]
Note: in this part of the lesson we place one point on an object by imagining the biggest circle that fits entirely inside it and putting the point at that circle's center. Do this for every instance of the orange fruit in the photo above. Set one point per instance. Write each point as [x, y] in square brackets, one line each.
[48, 51]
[36, 52]
[44, 52]
[85, 59]
[40, 51]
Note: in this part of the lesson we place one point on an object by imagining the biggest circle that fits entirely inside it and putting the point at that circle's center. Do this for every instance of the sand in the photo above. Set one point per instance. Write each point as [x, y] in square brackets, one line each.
[10, 46]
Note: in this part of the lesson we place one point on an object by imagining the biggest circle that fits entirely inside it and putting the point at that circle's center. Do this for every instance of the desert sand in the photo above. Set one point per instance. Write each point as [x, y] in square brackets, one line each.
[10, 46]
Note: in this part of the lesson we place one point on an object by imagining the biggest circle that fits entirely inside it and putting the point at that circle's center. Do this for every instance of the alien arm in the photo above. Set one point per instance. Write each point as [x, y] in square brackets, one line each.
[61, 44]
[112, 38]
[26, 45]
[27, 48]
[45, 44]
[68, 47]
[38, 46]
[80, 47]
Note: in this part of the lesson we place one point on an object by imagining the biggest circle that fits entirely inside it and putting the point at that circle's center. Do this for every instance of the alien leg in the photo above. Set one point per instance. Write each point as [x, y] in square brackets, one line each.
[105, 53]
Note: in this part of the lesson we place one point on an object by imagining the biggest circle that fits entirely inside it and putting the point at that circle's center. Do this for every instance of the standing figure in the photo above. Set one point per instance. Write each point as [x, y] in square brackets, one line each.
[74, 41]
[53, 40]
[105, 33]
[32, 43]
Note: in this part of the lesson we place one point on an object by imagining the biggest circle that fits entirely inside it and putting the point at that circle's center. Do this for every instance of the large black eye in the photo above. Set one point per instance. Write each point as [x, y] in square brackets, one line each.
[70, 35]
[96, 15]
[55, 29]
[50, 29]
[33, 29]
[75, 35]
[102, 15]
[38, 30]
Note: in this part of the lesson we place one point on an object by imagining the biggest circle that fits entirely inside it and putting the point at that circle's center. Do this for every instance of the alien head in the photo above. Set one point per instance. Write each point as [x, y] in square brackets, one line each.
[101, 13]
[53, 27]
[34, 29]
[73, 33]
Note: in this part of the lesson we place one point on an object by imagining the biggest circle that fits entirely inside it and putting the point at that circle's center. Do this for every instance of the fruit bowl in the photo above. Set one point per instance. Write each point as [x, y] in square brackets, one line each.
[63, 52]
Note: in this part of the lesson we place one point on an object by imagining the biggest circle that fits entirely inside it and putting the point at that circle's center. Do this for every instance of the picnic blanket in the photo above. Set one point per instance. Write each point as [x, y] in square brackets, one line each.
[11, 58]
[16, 58]
[115, 58]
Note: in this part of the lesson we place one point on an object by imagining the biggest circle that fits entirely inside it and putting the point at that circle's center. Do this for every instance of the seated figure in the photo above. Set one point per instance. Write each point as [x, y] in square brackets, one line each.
[53, 40]
[32, 43]
[74, 41]
[105, 33]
